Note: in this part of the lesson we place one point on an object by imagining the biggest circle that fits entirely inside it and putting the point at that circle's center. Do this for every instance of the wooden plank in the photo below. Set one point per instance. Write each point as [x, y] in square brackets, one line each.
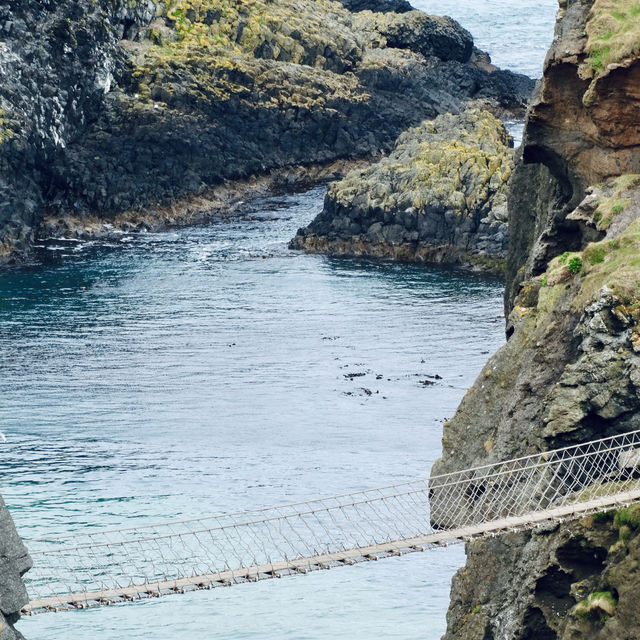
[326, 560]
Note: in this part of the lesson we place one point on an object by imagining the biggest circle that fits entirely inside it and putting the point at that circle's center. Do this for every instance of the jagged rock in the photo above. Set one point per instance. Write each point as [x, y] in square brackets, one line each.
[572, 582]
[14, 563]
[439, 196]
[111, 107]
[569, 373]
[581, 130]
[382, 6]
[436, 36]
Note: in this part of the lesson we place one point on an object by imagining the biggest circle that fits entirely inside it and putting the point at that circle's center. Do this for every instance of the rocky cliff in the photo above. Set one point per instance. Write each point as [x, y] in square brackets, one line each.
[128, 104]
[14, 562]
[582, 128]
[570, 371]
[440, 196]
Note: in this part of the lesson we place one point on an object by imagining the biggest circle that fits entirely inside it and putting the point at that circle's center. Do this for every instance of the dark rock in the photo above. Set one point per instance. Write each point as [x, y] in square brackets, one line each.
[14, 563]
[440, 197]
[382, 6]
[428, 35]
[570, 371]
[580, 131]
[113, 107]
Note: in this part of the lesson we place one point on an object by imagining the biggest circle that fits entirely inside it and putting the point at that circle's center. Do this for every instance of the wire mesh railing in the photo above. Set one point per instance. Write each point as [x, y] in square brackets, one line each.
[105, 566]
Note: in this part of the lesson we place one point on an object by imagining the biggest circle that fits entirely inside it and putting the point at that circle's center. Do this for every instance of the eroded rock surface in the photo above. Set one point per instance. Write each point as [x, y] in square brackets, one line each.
[572, 582]
[582, 129]
[440, 196]
[570, 370]
[14, 563]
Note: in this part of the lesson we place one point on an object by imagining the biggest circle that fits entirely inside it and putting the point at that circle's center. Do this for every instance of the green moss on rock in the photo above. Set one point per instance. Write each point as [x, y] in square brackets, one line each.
[613, 29]
[443, 186]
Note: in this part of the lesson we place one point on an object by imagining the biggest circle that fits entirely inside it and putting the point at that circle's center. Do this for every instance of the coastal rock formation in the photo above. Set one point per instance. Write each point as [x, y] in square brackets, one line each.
[15, 562]
[582, 128]
[572, 582]
[109, 107]
[440, 196]
[569, 373]
[399, 6]
[570, 370]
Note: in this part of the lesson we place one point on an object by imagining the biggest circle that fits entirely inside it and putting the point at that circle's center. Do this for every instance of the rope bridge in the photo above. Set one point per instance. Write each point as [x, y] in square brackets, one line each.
[105, 567]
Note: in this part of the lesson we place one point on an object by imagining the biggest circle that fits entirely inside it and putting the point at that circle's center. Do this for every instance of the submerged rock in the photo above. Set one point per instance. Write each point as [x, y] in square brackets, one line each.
[111, 107]
[440, 196]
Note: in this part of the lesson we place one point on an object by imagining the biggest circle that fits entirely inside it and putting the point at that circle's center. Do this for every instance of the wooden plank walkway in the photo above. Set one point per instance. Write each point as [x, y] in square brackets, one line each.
[81, 600]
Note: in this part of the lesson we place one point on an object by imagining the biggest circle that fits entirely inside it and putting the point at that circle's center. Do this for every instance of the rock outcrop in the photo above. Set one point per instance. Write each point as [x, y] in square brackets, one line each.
[382, 6]
[14, 563]
[582, 128]
[440, 196]
[570, 370]
[109, 107]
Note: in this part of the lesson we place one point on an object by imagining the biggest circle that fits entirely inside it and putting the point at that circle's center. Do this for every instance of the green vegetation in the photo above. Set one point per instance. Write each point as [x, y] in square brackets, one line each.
[595, 254]
[201, 51]
[599, 607]
[619, 270]
[574, 265]
[614, 33]
[613, 205]
[629, 517]
[436, 166]
[603, 516]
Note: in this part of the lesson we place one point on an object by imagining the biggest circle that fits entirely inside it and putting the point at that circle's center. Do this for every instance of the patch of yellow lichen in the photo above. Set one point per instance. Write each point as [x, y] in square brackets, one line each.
[457, 171]
[217, 49]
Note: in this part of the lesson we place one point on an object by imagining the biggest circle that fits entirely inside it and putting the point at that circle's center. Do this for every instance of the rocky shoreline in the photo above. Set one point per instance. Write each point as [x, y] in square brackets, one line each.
[440, 196]
[115, 108]
[227, 200]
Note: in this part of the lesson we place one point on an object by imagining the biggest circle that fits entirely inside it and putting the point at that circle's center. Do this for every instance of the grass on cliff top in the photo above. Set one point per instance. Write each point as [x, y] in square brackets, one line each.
[616, 203]
[614, 264]
[216, 49]
[614, 32]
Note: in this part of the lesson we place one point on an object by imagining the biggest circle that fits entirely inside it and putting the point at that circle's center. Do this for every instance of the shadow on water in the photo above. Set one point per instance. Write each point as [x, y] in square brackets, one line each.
[417, 279]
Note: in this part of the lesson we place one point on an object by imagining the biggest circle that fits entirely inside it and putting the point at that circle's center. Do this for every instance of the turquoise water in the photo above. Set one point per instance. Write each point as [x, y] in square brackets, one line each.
[206, 370]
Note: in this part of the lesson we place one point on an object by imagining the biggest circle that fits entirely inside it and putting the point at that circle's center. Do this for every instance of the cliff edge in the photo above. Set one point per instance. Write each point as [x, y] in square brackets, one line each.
[15, 562]
[570, 370]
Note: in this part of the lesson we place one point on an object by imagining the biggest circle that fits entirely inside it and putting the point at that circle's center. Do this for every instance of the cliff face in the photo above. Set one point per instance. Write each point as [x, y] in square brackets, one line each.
[582, 128]
[570, 371]
[14, 562]
[112, 106]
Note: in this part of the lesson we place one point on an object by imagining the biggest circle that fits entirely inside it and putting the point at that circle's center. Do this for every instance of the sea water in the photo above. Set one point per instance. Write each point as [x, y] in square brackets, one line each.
[207, 370]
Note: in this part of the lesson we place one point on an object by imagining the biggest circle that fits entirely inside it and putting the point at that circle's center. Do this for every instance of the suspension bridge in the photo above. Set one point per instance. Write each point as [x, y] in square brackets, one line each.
[107, 567]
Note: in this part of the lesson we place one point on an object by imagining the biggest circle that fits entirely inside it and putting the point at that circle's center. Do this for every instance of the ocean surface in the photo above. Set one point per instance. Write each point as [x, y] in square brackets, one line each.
[207, 370]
